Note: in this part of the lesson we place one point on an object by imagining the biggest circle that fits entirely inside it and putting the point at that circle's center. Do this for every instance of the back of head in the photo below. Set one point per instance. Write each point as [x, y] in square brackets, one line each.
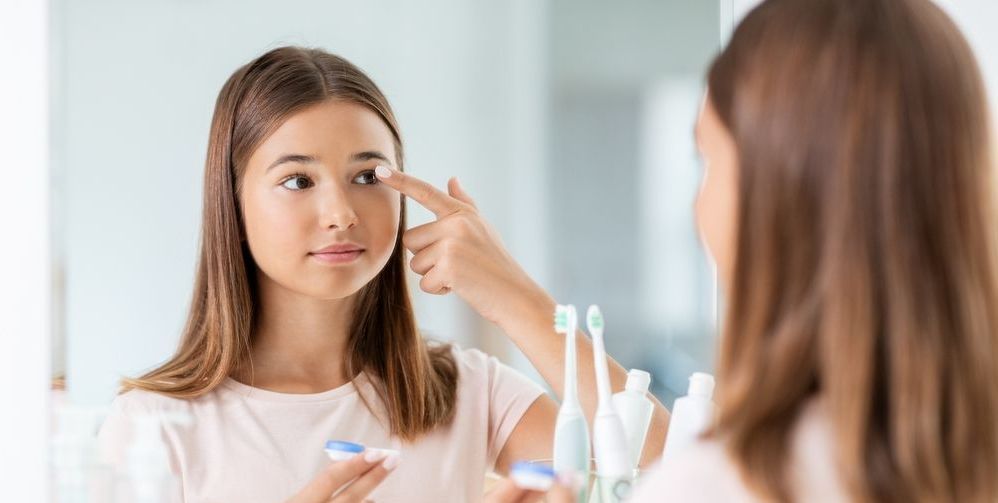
[865, 270]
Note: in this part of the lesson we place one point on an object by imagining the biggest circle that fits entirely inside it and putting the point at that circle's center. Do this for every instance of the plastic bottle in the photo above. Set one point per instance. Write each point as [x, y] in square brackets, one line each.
[691, 415]
[635, 410]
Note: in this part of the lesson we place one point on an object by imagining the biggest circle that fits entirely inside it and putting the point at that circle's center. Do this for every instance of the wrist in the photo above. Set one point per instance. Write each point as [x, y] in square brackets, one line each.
[526, 311]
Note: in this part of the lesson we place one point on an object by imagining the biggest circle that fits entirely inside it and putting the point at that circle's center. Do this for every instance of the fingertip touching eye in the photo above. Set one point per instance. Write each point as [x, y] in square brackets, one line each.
[367, 178]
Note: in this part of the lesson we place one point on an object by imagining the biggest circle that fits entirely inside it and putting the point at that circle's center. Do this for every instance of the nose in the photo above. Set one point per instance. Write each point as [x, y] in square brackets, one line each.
[337, 211]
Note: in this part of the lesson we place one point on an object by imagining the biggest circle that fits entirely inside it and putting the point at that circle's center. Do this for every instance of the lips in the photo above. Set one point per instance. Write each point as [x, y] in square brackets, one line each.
[340, 248]
[338, 253]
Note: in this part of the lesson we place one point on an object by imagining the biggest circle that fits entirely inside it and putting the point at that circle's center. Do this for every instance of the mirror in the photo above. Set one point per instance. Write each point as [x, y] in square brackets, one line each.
[570, 122]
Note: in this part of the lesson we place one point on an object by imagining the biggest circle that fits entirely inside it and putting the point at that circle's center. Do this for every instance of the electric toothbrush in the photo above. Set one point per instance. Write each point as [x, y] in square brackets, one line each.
[613, 466]
[571, 434]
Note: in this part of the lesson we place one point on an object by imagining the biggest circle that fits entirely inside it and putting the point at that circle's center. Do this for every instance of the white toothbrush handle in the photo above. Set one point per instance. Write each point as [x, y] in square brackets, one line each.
[571, 392]
[602, 370]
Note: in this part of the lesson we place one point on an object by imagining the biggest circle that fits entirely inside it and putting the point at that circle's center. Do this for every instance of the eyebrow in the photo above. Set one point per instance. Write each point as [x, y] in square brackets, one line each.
[366, 155]
[304, 159]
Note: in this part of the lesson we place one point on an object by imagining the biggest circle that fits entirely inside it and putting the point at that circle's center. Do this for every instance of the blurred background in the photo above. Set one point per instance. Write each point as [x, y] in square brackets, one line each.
[569, 121]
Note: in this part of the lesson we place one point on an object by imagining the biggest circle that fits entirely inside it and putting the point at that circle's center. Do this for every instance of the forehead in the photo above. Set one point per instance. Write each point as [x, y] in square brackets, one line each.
[333, 128]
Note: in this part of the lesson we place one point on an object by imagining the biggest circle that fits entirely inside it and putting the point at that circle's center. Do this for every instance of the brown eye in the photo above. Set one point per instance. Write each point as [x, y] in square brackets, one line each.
[366, 178]
[297, 182]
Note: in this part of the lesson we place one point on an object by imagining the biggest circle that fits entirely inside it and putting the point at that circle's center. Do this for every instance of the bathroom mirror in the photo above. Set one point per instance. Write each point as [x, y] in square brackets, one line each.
[569, 121]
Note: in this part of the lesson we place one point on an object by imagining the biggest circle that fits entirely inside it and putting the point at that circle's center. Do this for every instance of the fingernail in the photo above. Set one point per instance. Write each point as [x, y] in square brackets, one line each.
[391, 462]
[373, 455]
[382, 172]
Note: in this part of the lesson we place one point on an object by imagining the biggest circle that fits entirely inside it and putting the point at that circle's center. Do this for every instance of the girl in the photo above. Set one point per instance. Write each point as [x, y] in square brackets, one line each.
[847, 200]
[301, 329]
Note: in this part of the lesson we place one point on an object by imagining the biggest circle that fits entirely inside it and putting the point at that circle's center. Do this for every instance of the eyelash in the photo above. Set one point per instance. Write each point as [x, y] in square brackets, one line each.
[373, 179]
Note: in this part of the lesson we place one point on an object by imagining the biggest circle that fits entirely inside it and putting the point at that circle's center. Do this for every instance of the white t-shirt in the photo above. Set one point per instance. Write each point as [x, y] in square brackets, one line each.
[251, 445]
[705, 473]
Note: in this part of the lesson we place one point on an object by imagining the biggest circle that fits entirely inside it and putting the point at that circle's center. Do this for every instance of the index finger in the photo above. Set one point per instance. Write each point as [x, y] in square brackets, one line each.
[333, 477]
[440, 203]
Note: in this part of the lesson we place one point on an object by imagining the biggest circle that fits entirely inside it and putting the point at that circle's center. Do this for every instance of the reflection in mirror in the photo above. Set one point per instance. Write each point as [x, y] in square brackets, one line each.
[570, 123]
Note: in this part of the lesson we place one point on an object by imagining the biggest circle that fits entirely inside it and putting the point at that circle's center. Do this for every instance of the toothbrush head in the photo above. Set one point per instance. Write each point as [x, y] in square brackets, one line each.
[594, 319]
[561, 319]
[565, 319]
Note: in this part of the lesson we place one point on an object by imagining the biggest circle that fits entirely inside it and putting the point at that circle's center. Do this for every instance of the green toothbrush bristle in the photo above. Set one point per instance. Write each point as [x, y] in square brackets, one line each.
[596, 320]
[561, 319]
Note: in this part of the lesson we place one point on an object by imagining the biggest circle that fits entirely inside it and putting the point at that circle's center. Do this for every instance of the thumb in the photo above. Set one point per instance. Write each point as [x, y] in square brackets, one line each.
[456, 191]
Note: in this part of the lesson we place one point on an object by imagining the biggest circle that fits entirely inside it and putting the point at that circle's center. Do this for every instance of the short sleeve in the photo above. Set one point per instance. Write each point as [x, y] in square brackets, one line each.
[117, 431]
[115, 434]
[703, 473]
[509, 395]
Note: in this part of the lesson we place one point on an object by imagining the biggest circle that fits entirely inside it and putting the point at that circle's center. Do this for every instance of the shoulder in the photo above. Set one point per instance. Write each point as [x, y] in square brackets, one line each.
[812, 468]
[139, 401]
[473, 363]
[704, 472]
[118, 427]
[478, 369]
[471, 359]
[477, 364]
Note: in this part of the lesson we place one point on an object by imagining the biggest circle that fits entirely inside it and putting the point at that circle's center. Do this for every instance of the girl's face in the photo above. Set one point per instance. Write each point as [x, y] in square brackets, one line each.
[316, 219]
[717, 202]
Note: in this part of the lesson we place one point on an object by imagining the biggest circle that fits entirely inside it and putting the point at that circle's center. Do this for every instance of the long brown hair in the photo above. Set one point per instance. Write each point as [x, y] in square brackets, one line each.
[417, 383]
[865, 269]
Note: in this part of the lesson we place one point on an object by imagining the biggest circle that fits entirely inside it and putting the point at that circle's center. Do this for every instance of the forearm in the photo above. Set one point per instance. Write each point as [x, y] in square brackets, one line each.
[532, 330]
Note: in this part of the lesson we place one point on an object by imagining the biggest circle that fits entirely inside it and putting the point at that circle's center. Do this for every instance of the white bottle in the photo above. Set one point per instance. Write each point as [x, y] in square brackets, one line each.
[691, 415]
[635, 410]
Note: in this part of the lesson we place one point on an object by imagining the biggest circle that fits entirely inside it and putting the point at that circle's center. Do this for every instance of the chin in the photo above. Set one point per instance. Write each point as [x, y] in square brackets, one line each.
[338, 289]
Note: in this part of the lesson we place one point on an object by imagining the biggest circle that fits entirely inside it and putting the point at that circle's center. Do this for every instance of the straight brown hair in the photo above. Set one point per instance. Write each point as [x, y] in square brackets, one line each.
[417, 383]
[865, 270]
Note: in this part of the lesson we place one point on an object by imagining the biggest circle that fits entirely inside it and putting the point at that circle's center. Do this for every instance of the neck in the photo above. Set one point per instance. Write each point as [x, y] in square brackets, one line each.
[298, 342]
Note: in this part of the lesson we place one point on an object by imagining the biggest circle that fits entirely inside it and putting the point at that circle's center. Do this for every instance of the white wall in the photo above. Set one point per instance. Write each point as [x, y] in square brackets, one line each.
[732, 11]
[25, 254]
[978, 19]
[137, 85]
[626, 80]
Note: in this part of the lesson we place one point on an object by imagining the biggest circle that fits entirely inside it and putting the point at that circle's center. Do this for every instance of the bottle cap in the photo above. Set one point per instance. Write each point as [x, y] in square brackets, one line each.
[638, 380]
[701, 385]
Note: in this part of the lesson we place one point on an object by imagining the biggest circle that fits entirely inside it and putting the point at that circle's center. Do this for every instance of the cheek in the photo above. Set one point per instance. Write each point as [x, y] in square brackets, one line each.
[715, 215]
[273, 229]
[706, 212]
[379, 213]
